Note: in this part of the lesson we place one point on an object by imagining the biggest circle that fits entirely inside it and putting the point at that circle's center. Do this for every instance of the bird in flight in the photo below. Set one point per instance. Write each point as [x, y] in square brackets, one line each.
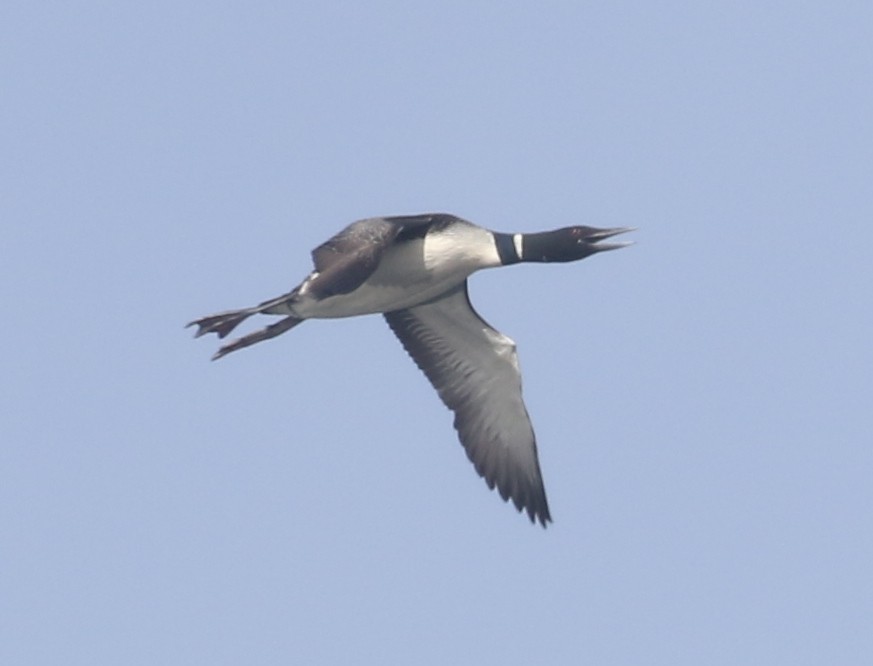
[413, 270]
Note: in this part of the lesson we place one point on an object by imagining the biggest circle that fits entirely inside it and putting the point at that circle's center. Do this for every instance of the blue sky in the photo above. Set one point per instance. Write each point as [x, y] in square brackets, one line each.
[702, 400]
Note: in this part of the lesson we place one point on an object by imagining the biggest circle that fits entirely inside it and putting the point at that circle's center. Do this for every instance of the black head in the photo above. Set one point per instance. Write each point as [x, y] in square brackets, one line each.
[569, 243]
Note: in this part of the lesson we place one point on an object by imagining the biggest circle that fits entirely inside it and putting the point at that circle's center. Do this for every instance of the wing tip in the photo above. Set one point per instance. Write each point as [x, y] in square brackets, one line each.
[536, 507]
[537, 513]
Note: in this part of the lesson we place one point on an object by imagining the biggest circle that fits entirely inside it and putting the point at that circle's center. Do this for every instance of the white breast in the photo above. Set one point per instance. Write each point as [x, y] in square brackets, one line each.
[460, 248]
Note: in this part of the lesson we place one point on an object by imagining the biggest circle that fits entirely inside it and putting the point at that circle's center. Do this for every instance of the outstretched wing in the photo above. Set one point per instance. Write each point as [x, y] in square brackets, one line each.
[474, 368]
[344, 262]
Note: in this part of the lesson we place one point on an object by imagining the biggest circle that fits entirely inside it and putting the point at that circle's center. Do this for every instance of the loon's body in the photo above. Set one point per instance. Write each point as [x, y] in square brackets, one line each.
[414, 270]
[382, 265]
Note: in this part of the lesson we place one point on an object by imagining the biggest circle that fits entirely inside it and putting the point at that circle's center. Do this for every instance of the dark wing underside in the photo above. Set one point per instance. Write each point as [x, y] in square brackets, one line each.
[346, 261]
[474, 368]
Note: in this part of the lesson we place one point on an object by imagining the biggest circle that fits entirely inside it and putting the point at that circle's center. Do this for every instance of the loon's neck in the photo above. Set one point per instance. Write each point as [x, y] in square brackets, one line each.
[544, 247]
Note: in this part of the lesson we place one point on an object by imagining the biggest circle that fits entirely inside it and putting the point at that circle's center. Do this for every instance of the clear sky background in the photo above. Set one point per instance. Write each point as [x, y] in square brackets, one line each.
[702, 399]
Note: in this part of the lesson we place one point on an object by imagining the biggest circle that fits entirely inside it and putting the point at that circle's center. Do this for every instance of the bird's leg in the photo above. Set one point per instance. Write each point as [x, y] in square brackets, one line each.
[221, 323]
[265, 333]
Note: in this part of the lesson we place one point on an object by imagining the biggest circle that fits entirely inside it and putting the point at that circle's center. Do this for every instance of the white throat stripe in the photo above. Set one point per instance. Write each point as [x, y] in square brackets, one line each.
[516, 240]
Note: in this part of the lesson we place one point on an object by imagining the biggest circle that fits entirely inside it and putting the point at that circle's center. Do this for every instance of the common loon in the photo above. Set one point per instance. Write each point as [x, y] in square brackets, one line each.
[414, 270]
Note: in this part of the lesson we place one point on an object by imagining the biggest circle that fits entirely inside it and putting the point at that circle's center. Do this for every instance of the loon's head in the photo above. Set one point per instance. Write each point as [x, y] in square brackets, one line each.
[570, 243]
